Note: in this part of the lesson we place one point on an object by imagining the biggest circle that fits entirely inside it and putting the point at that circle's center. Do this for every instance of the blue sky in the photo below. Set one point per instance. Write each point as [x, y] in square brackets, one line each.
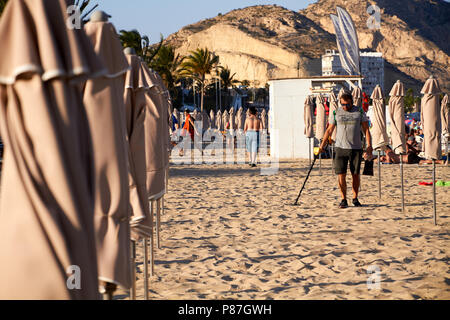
[153, 17]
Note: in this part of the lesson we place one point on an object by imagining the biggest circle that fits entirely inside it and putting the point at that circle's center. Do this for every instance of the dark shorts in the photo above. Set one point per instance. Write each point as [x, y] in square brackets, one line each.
[343, 157]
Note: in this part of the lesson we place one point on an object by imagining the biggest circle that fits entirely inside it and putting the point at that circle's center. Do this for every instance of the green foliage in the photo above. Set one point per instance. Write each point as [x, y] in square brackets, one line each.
[2, 5]
[140, 43]
[227, 78]
[197, 66]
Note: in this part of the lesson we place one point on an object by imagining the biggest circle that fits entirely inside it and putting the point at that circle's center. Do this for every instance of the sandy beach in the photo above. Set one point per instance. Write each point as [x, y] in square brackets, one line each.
[230, 233]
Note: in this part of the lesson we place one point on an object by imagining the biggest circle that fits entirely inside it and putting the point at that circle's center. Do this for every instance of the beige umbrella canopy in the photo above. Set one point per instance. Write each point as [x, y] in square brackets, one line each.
[225, 119]
[264, 119]
[445, 115]
[135, 112]
[321, 119]
[379, 134]
[103, 100]
[357, 97]
[309, 117]
[47, 185]
[334, 105]
[212, 120]
[219, 121]
[232, 119]
[167, 105]
[155, 146]
[205, 120]
[242, 118]
[431, 119]
[195, 115]
[397, 113]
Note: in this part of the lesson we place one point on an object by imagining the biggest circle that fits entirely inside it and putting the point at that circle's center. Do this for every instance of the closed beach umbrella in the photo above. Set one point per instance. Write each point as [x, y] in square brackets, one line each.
[357, 97]
[212, 120]
[195, 115]
[103, 100]
[264, 119]
[205, 121]
[155, 145]
[397, 113]
[334, 105]
[445, 115]
[379, 134]
[398, 130]
[321, 119]
[47, 184]
[232, 119]
[225, 119]
[219, 123]
[431, 122]
[135, 111]
[341, 92]
[431, 119]
[308, 116]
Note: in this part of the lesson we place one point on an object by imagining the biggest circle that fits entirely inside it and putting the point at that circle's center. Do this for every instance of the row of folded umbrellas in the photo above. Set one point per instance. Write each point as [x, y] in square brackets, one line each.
[86, 134]
[434, 117]
[219, 121]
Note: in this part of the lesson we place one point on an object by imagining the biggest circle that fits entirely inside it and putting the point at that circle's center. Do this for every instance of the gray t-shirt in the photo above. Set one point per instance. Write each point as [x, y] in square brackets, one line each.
[348, 128]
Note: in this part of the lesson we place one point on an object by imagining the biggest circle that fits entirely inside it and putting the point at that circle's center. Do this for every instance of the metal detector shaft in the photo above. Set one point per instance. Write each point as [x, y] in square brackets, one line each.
[306, 180]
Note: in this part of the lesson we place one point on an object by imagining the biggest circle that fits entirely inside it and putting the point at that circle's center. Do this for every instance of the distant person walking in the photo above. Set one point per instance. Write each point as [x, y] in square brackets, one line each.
[348, 121]
[252, 128]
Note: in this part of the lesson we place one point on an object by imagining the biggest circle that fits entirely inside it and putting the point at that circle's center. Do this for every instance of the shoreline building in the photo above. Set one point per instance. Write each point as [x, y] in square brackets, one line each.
[372, 68]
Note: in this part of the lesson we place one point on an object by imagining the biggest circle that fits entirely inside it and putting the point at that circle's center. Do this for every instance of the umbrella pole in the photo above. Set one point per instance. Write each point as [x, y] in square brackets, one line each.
[152, 243]
[320, 161]
[145, 269]
[379, 174]
[133, 270]
[434, 192]
[403, 187]
[310, 152]
[158, 223]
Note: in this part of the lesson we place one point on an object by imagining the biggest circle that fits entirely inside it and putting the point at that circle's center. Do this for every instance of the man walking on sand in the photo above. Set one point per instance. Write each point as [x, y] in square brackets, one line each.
[348, 121]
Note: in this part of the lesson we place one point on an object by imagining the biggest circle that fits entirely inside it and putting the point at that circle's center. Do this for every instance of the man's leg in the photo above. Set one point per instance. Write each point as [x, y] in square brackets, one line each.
[343, 185]
[356, 184]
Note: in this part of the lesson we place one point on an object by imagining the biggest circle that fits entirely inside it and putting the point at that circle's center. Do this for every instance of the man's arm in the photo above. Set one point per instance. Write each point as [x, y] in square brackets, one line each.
[327, 136]
[366, 130]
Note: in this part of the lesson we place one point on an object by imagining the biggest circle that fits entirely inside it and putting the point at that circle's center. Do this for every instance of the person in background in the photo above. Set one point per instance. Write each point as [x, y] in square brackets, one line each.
[252, 128]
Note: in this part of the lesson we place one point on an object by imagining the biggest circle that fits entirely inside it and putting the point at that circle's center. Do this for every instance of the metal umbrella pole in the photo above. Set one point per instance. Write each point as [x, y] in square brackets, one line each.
[158, 223]
[133, 270]
[309, 151]
[403, 186]
[320, 161]
[379, 174]
[146, 288]
[152, 243]
[434, 192]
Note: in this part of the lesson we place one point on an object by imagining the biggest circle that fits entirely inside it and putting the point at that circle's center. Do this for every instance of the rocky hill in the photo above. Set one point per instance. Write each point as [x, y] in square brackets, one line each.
[414, 36]
[265, 42]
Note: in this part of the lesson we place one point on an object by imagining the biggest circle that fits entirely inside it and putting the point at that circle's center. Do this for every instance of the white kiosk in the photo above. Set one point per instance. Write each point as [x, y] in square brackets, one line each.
[287, 100]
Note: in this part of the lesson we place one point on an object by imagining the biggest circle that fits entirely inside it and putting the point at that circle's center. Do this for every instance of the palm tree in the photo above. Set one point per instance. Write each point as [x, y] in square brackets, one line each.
[168, 64]
[140, 43]
[227, 78]
[197, 65]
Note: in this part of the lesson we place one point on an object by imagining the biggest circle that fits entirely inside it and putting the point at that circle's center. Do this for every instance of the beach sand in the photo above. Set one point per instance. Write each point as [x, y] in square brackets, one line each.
[230, 233]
